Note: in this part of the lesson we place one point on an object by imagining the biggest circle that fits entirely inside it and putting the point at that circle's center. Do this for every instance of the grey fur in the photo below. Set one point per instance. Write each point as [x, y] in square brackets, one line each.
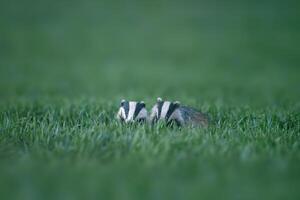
[193, 117]
[177, 113]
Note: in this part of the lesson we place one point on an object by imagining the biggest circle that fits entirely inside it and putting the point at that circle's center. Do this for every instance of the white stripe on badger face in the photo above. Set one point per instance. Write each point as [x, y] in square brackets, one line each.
[121, 113]
[132, 107]
[154, 112]
[164, 109]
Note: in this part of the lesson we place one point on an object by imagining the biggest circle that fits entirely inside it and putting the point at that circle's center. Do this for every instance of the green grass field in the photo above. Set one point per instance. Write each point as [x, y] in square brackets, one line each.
[65, 66]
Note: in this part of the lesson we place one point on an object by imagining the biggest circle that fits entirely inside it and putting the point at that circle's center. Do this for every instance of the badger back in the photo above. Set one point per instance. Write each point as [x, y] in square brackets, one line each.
[132, 111]
[194, 117]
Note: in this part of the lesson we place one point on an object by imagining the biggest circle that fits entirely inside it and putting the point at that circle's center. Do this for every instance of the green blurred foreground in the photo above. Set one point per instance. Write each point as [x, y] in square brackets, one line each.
[64, 67]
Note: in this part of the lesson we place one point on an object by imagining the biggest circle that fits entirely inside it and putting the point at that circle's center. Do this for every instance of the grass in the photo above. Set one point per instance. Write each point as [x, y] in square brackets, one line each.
[67, 149]
[64, 67]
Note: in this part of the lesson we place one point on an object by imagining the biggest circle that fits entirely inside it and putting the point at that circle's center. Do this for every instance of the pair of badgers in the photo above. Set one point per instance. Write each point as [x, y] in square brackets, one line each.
[166, 111]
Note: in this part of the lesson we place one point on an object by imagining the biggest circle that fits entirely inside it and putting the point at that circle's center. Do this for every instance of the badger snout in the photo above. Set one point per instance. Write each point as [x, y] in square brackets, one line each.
[128, 121]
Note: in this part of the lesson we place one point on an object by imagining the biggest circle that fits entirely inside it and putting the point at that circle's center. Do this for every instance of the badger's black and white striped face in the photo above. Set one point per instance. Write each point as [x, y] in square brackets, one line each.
[166, 111]
[132, 111]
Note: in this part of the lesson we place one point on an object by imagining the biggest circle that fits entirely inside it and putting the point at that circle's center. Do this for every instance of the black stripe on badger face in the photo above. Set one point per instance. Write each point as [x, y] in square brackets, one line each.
[159, 108]
[125, 105]
[138, 107]
[171, 109]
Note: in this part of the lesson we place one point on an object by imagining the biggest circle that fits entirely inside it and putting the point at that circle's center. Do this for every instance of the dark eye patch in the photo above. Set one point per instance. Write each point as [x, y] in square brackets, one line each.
[126, 108]
[159, 108]
[138, 108]
[172, 108]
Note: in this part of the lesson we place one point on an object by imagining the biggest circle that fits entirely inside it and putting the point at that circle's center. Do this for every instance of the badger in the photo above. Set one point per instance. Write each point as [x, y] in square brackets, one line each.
[132, 111]
[174, 113]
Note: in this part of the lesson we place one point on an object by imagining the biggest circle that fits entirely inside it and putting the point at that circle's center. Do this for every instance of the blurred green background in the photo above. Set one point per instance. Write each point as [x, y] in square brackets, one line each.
[65, 65]
[206, 49]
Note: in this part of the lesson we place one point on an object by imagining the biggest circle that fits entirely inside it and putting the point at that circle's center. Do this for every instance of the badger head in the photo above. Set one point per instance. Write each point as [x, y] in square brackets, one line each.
[132, 111]
[166, 111]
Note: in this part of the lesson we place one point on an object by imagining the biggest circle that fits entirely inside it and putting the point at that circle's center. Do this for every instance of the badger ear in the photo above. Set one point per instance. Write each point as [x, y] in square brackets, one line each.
[143, 104]
[122, 102]
[159, 99]
[177, 103]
